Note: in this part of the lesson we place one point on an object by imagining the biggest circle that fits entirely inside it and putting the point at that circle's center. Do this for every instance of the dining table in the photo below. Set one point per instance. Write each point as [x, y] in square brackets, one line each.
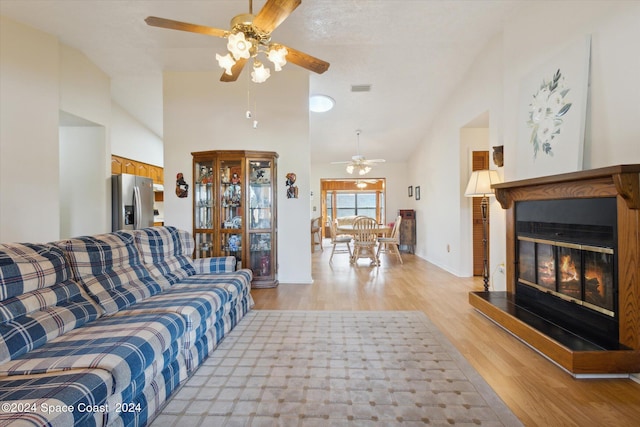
[382, 230]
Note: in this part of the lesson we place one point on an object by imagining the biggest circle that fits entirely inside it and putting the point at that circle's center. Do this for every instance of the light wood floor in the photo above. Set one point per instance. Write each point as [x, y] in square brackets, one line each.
[538, 392]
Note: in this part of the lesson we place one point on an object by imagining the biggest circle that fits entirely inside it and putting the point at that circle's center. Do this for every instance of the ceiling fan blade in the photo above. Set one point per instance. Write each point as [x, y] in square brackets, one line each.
[340, 163]
[235, 71]
[375, 161]
[273, 13]
[170, 24]
[306, 61]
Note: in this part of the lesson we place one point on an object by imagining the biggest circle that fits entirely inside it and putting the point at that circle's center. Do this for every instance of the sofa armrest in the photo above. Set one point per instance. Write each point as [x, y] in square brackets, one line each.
[223, 264]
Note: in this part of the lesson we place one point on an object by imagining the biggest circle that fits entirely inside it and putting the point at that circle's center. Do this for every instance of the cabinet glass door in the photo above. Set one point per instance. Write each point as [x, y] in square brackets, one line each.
[203, 208]
[260, 195]
[261, 254]
[261, 220]
[231, 209]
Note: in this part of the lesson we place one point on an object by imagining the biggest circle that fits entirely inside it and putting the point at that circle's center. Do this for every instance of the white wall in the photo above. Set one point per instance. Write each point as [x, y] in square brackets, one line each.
[42, 81]
[443, 212]
[132, 140]
[29, 93]
[612, 123]
[492, 84]
[85, 153]
[201, 113]
[82, 190]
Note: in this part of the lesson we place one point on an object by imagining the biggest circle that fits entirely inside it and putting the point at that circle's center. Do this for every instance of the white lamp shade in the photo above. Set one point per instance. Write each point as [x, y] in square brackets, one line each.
[278, 56]
[364, 170]
[239, 46]
[259, 73]
[480, 183]
[225, 62]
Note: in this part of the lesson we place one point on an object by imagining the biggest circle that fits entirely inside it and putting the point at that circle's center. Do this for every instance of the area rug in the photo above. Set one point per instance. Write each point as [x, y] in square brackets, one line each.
[335, 368]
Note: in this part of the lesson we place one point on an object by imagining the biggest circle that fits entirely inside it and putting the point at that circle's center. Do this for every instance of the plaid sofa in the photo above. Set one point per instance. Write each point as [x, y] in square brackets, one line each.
[100, 330]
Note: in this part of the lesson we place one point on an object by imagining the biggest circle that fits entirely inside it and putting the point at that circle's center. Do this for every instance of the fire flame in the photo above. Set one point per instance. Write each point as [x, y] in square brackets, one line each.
[568, 268]
[597, 274]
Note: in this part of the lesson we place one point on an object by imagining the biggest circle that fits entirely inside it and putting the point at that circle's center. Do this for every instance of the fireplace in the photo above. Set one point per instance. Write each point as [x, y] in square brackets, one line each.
[573, 269]
[566, 264]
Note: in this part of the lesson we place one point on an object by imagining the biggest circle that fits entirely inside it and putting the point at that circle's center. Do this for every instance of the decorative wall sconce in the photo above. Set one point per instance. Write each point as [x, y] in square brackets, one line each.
[182, 188]
[292, 190]
[498, 155]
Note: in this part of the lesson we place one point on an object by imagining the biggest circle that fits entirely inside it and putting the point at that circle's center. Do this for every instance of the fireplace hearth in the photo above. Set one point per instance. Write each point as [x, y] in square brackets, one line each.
[573, 269]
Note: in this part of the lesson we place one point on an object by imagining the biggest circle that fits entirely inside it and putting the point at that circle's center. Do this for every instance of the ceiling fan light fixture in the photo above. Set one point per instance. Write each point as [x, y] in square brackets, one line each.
[239, 46]
[364, 170]
[259, 73]
[350, 169]
[278, 55]
[226, 62]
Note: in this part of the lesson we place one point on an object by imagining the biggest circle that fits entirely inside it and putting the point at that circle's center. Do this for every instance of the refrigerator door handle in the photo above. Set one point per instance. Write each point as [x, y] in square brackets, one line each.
[137, 207]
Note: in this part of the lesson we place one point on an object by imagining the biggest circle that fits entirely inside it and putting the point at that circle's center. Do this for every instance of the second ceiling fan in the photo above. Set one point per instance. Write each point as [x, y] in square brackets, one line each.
[359, 163]
[248, 36]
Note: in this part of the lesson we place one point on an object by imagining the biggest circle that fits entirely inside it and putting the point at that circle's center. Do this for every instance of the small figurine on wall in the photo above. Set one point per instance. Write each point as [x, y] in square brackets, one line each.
[182, 188]
[292, 190]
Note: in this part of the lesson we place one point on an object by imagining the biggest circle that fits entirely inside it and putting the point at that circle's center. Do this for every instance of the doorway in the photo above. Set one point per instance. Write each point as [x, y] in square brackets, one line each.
[85, 192]
[479, 161]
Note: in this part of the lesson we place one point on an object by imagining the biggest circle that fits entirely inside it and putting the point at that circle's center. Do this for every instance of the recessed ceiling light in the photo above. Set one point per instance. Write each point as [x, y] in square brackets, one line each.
[321, 103]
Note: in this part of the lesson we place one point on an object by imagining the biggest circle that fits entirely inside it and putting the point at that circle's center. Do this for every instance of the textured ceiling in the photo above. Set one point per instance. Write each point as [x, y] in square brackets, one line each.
[411, 52]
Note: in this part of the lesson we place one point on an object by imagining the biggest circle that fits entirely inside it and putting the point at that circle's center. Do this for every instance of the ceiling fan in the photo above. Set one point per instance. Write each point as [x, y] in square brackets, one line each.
[359, 163]
[248, 36]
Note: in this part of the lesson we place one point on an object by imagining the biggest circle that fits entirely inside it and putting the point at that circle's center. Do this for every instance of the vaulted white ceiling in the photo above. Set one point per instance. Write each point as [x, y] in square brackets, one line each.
[412, 53]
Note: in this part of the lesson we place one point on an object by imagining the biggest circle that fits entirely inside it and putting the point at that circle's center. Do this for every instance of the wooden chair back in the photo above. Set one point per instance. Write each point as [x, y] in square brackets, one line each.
[365, 230]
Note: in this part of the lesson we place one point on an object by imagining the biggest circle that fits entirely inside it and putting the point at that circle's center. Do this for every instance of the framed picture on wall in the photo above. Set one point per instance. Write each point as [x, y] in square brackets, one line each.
[418, 192]
[552, 113]
[411, 191]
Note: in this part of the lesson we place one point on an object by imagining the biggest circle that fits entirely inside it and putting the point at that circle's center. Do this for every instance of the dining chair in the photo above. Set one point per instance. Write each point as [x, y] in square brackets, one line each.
[365, 236]
[315, 231]
[391, 244]
[339, 239]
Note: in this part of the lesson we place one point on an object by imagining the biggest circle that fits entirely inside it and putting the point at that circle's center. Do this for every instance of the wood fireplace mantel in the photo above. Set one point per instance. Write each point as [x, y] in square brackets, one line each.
[621, 182]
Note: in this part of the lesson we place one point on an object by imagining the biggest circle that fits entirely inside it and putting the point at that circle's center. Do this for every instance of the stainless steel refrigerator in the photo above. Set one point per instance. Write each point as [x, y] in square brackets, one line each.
[132, 202]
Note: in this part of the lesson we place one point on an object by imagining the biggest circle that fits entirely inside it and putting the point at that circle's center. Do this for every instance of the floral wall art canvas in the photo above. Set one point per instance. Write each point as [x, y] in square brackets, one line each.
[552, 112]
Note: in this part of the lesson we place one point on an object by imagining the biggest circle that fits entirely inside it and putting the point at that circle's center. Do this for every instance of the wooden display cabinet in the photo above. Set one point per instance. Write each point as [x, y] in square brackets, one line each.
[408, 230]
[234, 210]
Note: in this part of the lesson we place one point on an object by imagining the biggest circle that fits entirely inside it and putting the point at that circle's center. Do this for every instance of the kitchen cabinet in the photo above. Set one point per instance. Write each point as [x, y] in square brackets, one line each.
[235, 209]
[122, 165]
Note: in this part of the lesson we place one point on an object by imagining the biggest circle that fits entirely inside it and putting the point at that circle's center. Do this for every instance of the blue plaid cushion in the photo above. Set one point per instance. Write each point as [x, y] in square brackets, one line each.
[237, 284]
[223, 264]
[148, 402]
[126, 347]
[109, 267]
[166, 252]
[25, 267]
[50, 304]
[33, 400]
[199, 307]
